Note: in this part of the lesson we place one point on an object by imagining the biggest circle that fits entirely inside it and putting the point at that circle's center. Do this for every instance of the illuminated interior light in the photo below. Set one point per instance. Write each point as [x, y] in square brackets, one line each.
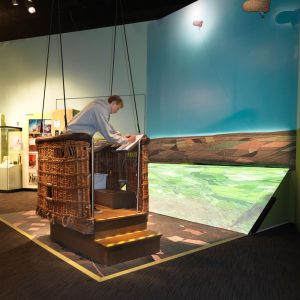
[30, 7]
[109, 237]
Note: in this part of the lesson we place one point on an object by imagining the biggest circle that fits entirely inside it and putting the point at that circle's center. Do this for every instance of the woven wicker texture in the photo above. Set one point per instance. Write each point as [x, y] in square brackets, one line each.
[64, 181]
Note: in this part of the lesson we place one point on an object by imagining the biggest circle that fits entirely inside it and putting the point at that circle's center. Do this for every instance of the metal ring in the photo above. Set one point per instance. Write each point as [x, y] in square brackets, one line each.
[37, 211]
[65, 221]
[50, 217]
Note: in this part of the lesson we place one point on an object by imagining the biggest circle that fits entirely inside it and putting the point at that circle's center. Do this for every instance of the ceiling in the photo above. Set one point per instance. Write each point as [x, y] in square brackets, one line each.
[76, 15]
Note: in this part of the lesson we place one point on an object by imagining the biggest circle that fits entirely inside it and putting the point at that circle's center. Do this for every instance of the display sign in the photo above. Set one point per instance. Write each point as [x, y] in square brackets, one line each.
[34, 131]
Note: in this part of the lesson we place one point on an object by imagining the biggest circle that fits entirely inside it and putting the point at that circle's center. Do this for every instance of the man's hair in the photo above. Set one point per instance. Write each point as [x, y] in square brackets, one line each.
[117, 99]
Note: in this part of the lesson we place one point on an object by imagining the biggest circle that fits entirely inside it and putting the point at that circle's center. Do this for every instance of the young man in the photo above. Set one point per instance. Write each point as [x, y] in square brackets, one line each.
[95, 117]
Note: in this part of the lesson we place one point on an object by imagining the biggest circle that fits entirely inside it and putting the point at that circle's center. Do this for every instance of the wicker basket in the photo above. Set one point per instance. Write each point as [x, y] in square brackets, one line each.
[122, 168]
[64, 178]
[64, 181]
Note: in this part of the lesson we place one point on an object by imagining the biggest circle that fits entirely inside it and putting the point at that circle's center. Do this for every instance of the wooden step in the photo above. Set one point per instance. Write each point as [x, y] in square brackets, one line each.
[120, 248]
[115, 198]
[110, 250]
[118, 221]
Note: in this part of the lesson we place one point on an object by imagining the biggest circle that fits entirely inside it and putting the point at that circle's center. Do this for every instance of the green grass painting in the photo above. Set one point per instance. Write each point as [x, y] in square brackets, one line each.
[230, 197]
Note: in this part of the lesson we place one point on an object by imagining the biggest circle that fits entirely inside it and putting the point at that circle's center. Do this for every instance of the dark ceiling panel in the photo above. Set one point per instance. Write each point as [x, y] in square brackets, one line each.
[76, 15]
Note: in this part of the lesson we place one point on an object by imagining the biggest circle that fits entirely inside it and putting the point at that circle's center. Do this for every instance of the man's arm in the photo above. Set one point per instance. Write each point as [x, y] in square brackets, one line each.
[107, 130]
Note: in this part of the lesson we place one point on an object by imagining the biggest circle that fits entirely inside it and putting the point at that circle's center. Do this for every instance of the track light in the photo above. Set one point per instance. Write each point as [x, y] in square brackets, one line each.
[14, 2]
[30, 7]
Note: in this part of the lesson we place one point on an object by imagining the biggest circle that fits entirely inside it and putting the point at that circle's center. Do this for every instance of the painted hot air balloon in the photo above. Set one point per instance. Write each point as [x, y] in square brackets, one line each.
[261, 6]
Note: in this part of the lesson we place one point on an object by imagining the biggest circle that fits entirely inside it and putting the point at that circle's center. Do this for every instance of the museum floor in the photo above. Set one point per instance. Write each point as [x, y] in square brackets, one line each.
[262, 266]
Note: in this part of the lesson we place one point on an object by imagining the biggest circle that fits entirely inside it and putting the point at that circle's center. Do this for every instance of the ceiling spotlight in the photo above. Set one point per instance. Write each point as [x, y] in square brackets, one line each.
[14, 2]
[30, 7]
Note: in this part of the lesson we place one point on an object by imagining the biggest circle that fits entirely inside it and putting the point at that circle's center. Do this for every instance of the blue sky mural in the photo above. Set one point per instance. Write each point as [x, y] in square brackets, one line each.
[238, 73]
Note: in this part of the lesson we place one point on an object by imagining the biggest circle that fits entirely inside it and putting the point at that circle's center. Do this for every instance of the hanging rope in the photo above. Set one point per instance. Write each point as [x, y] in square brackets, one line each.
[114, 49]
[47, 63]
[134, 100]
[62, 65]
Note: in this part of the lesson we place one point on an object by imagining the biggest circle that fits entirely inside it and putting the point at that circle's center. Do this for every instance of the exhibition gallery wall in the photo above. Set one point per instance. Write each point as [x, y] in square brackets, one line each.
[234, 77]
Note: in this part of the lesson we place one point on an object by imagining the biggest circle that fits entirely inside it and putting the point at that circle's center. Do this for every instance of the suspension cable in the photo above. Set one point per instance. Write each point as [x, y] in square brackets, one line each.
[128, 58]
[47, 63]
[62, 64]
[114, 49]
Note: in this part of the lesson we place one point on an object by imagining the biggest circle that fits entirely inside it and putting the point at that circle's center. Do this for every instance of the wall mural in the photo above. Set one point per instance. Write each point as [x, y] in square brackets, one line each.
[261, 149]
[223, 93]
[237, 73]
[230, 197]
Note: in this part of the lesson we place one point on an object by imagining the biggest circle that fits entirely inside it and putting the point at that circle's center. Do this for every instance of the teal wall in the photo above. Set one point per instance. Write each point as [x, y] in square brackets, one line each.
[297, 176]
[238, 73]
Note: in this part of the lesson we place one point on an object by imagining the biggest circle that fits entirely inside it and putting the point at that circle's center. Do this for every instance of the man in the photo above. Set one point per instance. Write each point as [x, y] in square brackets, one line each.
[95, 117]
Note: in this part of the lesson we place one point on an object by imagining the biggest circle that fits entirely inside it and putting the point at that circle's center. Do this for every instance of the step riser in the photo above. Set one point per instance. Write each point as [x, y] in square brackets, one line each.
[115, 199]
[131, 251]
[87, 247]
[75, 241]
[116, 231]
[120, 226]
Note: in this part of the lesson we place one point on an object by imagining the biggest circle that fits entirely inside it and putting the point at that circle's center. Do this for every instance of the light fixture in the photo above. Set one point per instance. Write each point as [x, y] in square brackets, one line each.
[198, 23]
[30, 7]
[14, 2]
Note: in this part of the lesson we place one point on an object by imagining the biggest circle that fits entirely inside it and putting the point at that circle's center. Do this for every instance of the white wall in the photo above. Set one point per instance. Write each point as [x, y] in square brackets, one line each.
[87, 68]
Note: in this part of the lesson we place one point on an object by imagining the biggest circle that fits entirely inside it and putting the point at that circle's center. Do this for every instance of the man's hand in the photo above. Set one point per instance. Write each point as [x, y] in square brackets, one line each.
[131, 138]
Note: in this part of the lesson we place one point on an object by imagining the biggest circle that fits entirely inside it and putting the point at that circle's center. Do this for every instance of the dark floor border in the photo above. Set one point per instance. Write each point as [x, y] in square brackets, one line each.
[12, 191]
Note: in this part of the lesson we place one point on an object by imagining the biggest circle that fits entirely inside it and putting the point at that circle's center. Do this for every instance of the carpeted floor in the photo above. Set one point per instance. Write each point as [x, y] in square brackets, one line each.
[263, 266]
[19, 201]
[178, 238]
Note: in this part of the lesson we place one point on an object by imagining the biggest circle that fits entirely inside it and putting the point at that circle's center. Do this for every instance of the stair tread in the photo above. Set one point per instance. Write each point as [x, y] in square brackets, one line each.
[126, 238]
[108, 214]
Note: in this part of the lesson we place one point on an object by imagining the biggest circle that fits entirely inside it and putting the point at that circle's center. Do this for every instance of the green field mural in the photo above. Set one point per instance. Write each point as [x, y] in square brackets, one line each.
[230, 197]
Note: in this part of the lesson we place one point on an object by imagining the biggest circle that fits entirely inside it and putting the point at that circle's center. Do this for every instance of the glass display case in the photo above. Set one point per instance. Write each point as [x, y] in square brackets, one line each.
[11, 158]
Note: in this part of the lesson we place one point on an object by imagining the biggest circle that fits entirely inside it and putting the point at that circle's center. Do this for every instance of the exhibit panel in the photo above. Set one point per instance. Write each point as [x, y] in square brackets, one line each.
[53, 124]
[11, 158]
